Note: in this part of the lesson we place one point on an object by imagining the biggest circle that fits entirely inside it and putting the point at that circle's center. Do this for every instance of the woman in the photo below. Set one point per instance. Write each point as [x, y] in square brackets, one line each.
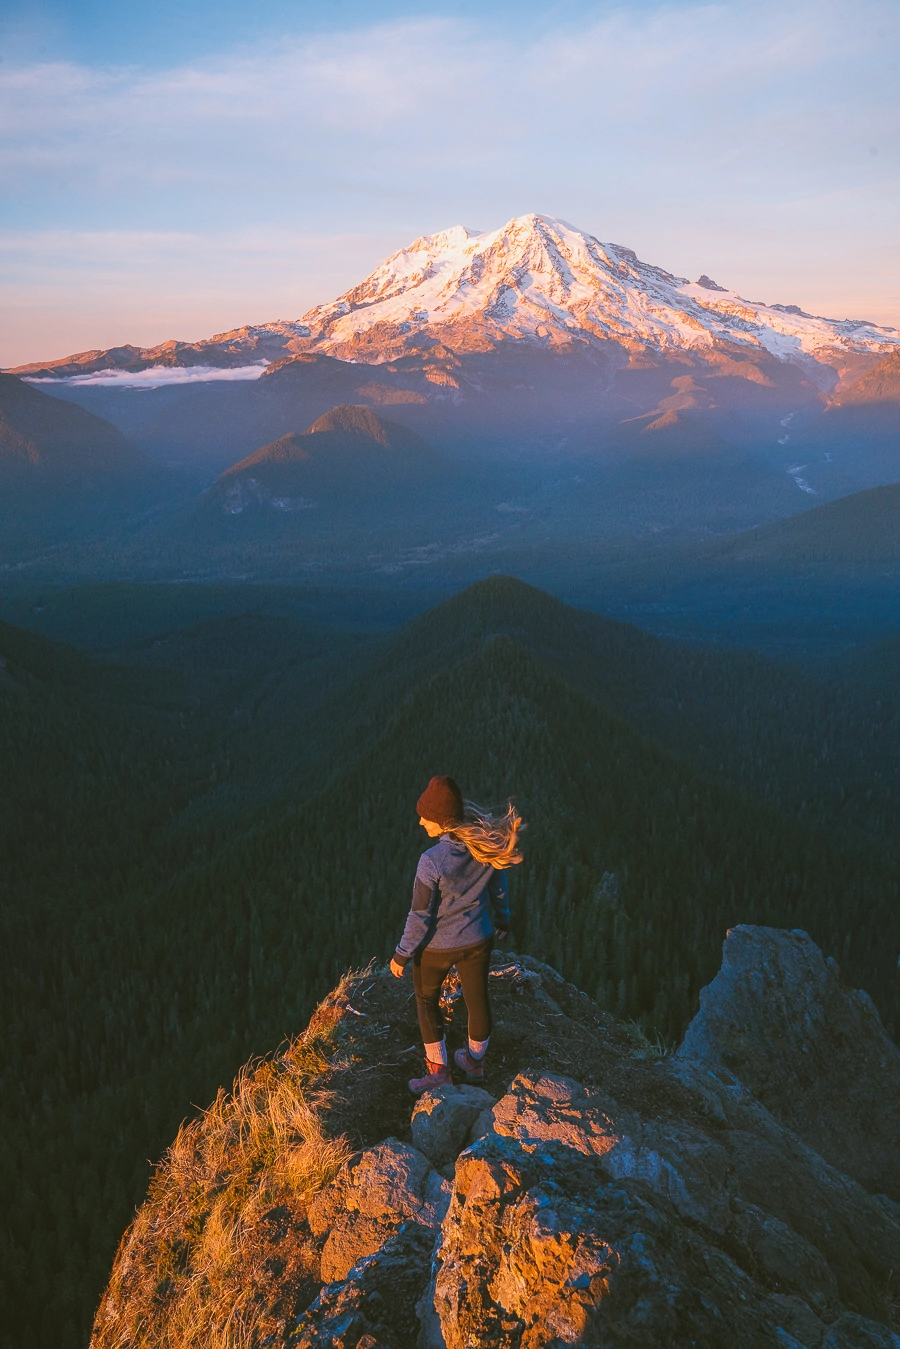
[460, 903]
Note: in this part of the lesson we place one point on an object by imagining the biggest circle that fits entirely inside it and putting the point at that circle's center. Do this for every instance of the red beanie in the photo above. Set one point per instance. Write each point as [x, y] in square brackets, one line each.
[441, 802]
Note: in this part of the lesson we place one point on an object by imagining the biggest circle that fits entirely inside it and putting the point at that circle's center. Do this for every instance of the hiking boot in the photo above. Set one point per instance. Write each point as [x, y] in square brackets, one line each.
[472, 1067]
[436, 1075]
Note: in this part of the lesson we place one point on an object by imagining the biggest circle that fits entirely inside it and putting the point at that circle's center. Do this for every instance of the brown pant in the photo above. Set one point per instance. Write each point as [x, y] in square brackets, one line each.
[430, 969]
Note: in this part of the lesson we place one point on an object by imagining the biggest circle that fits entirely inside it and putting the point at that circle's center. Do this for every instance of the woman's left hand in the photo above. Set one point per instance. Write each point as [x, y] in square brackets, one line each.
[397, 969]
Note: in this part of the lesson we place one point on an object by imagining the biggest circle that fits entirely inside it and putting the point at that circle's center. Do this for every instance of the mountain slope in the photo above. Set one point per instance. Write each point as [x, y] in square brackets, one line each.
[348, 449]
[879, 384]
[65, 473]
[862, 529]
[150, 953]
[45, 441]
[351, 485]
[536, 280]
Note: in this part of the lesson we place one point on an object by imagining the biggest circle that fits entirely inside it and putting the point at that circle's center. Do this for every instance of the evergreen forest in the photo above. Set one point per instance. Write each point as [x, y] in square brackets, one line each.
[208, 815]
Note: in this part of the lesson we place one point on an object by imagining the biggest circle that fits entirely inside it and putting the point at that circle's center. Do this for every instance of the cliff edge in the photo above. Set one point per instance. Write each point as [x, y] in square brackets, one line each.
[599, 1191]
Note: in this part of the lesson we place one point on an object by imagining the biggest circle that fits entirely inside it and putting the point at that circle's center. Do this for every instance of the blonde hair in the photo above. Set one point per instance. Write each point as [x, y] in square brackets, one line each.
[490, 838]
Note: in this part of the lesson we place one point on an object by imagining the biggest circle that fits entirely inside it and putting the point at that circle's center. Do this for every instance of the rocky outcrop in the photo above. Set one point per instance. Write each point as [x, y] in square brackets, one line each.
[584, 1207]
[600, 1193]
[376, 1306]
[443, 1120]
[377, 1192]
[812, 1051]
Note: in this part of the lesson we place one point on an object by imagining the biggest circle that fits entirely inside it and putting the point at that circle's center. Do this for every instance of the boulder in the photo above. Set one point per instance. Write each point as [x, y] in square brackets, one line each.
[812, 1051]
[443, 1118]
[539, 1249]
[375, 1306]
[727, 1207]
[856, 1332]
[368, 1202]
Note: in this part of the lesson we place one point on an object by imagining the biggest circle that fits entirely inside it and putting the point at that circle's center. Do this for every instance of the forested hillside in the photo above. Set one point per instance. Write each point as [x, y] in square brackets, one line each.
[201, 833]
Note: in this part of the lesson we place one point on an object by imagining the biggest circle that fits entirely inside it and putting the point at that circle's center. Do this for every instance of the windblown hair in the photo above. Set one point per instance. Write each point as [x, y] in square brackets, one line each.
[490, 838]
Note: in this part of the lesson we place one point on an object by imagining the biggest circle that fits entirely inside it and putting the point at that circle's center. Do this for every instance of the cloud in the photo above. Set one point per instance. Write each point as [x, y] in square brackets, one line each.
[736, 87]
[157, 376]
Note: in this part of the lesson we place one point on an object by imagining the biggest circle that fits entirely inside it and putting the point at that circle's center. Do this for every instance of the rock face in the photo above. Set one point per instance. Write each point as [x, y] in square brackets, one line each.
[815, 1053]
[650, 1200]
[443, 1119]
[376, 1305]
[377, 1192]
[601, 1221]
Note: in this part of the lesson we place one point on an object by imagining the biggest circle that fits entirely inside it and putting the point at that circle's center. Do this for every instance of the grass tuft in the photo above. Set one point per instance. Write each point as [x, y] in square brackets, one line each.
[642, 1047]
[185, 1277]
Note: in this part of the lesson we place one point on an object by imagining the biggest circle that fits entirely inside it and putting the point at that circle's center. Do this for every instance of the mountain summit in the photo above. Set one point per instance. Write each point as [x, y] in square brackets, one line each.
[542, 280]
[536, 281]
[656, 1199]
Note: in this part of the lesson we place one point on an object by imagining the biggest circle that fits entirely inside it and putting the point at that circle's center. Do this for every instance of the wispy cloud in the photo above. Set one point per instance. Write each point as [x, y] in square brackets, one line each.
[757, 139]
[157, 376]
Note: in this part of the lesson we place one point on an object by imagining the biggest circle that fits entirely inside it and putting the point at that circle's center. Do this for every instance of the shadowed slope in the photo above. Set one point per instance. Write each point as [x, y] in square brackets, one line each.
[349, 449]
[862, 529]
[65, 473]
[49, 442]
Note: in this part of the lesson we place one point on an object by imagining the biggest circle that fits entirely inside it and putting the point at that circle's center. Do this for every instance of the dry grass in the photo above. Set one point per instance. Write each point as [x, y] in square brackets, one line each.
[192, 1270]
[642, 1047]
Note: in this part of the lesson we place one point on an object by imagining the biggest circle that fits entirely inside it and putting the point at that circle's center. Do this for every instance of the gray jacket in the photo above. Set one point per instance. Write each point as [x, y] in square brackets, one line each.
[456, 901]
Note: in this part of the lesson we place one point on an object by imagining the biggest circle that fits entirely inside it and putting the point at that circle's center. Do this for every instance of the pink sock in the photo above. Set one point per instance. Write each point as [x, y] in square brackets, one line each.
[478, 1048]
[437, 1053]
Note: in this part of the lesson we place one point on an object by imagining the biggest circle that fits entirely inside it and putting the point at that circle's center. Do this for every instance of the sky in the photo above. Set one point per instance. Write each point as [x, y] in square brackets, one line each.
[183, 167]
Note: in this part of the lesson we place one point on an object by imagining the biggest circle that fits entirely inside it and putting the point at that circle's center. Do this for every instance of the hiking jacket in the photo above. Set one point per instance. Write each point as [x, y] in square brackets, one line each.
[456, 901]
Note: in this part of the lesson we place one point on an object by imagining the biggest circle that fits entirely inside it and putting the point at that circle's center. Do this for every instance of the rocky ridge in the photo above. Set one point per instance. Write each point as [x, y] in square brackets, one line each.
[599, 1191]
[539, 281]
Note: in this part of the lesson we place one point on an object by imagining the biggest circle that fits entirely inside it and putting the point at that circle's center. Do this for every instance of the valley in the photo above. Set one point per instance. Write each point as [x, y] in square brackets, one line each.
[518, 506]
[205, 826]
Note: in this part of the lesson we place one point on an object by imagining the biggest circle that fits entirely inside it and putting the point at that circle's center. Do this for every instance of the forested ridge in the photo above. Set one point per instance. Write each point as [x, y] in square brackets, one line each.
[203, 830]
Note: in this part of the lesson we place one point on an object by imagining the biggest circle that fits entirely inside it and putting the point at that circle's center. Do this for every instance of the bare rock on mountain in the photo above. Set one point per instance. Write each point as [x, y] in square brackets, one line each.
[857, 1332]
[815, 1053]
[723, 1174]
[539, 1249]
[629, 1200]
[442, 1119]
[375, 1308]
[368, 1202]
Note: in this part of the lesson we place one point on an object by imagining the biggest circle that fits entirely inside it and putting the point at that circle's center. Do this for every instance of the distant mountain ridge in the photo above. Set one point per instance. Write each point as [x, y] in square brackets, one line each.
[539, 281]
[46, 440]
[862, 529]
[345, 450]
[347, 478]
[65, 473]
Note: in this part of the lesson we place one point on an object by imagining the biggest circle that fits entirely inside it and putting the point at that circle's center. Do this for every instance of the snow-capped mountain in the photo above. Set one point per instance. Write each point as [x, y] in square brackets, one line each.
[536, 280]
[541, 280]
